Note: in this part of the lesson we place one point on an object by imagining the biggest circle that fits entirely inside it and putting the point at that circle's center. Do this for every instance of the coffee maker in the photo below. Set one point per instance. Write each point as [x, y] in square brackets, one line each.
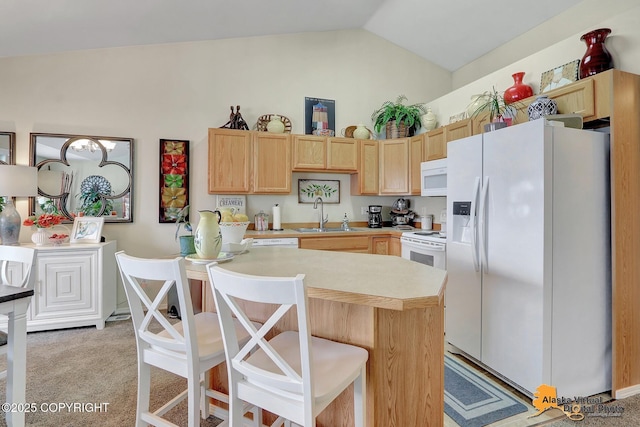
[375, 216]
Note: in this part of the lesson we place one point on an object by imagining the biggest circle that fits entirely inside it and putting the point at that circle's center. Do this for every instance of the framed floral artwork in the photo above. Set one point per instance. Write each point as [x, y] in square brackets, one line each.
[310, 189]
[174, 178]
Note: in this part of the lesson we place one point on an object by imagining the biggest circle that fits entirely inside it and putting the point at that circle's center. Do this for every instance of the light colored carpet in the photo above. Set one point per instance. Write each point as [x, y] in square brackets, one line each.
[89, 366]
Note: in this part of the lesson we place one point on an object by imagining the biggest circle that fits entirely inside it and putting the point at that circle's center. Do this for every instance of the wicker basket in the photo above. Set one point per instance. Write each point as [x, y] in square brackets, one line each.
[264, 120]
[393, 131]
[348, 132]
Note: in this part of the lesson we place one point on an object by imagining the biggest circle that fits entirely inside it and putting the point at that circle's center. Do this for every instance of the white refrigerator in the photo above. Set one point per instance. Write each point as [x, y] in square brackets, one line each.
[528, 256]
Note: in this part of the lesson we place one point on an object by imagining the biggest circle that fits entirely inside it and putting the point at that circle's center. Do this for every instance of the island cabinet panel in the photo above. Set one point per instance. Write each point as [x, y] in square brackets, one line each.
[271, 163]
[309, 152]
[229, 161]
[394, 166]
[365, 181]
[393, 308]
[342, 154]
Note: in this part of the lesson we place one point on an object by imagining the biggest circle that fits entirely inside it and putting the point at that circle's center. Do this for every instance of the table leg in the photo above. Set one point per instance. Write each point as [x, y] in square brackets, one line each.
[17, 362]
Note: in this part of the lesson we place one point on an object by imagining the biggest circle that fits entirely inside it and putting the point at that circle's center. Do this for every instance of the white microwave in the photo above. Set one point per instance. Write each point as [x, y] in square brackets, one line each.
[433, 176]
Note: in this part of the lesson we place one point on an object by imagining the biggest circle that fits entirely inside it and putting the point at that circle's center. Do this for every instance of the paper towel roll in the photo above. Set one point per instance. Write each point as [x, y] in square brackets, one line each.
[277, 225]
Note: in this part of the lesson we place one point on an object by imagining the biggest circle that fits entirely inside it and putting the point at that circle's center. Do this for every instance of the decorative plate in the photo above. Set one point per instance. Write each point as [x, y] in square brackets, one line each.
[222, 257]
[95, 184]
[263, 120]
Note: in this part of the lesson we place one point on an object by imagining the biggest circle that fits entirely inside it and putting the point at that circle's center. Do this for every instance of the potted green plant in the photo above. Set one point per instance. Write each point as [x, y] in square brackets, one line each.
[187, 244]
[399, 120]
[92, 203]
[500, 112]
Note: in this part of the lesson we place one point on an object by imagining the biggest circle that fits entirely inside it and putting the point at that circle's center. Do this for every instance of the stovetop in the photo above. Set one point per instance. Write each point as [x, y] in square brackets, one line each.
[428, 235]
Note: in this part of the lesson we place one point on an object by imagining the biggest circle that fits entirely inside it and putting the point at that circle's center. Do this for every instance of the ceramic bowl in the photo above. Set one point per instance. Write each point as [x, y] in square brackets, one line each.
[233, 232]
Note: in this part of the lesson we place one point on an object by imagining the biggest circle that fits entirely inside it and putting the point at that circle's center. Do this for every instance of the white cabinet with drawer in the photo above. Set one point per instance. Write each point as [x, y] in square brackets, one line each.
[75, 285]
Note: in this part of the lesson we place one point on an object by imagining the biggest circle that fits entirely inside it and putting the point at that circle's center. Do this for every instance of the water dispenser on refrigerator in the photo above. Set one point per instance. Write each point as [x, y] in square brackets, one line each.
[461, 228]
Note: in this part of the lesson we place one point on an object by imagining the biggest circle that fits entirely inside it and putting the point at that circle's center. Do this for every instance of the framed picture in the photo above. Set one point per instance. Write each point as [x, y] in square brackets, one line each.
[319, 116]
[310, 189]
[559, 76]
[174, 178]
[86, 229]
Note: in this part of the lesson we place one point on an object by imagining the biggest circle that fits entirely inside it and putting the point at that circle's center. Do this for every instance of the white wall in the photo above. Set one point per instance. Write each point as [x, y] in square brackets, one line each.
[623, 44]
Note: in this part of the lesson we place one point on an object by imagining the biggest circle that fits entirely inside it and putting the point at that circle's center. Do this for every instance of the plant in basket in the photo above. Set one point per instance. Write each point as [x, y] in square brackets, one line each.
[399, 120]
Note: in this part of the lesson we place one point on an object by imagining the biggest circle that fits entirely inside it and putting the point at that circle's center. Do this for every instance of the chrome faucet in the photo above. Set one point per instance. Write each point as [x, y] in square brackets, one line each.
[323, 219]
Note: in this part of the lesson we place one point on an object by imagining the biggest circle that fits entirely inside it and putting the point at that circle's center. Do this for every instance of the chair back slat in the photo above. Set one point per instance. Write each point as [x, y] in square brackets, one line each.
[23, 256]
[287, 293]
[151, 325]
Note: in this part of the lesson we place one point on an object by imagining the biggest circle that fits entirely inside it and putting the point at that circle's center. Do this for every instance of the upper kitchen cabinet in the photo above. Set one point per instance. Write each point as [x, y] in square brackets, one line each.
[434, 145]
[394, 166]
[271, 163]
[317, 153]
[309, 152]
[229, 161]
[415, 158]
[342, 154]
[458, 130]
[365, 181]
[242, 162]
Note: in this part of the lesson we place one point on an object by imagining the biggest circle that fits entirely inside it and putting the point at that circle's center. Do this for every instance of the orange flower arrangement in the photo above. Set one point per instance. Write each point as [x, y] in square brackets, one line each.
[44, 221]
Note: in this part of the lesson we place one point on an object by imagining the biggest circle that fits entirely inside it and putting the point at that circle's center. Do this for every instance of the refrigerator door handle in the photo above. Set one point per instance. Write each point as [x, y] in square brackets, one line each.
[483, 225]
[474, 224]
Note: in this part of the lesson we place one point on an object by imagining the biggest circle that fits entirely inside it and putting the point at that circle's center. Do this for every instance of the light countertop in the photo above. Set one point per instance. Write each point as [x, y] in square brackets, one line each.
[373, 280]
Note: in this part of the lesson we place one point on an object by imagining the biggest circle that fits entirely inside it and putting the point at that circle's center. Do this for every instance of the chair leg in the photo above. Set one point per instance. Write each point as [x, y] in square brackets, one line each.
[193, 398]
[360, 398]
[144, 391]
[204, 400]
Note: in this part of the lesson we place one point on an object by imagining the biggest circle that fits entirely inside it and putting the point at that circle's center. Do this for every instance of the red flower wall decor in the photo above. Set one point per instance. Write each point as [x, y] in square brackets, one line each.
[174, 178]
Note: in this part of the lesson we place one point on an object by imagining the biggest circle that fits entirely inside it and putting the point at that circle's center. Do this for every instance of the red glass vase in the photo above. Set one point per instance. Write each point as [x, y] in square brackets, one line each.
[597, 58]
[518, 91]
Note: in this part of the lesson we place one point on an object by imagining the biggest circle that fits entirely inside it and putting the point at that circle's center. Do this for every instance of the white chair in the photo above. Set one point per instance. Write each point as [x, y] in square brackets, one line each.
[188, 348]
[292, 375]
[19, 275]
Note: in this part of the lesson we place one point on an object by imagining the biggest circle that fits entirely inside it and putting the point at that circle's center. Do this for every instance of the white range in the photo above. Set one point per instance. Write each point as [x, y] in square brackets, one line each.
[425, 247]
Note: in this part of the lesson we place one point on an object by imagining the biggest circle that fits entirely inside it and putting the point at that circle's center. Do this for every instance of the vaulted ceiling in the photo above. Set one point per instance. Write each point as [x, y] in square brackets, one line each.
[449, 33]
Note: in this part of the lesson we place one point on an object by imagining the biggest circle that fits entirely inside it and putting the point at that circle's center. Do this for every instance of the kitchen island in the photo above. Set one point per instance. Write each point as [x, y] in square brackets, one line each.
[391, 306]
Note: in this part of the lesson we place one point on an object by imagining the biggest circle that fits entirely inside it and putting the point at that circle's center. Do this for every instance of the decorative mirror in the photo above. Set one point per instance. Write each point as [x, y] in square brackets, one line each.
[81, 175]
[7, 148]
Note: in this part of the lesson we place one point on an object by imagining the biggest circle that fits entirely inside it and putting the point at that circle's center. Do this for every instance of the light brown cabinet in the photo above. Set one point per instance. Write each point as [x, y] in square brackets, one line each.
[336, 243]
[458, 130]
[434, 145]
[415, 158]
[318, 153]
[229, 161]
[388, 245]
[309, 152]
[365, 181]
[242, 162]
[394, 166]
[271, 163]
[342, 154]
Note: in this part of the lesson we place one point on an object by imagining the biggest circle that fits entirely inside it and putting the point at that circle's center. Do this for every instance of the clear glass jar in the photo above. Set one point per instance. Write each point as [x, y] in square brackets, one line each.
[261, 221]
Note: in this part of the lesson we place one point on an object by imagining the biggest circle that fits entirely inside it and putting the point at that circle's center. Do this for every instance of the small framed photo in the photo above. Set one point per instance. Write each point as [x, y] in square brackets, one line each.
[559, 76]
[86, 229]
[310, 189]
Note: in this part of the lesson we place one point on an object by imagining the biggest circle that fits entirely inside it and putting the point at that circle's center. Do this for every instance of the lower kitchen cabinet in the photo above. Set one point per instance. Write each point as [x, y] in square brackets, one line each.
[75, 285]
[336, 243]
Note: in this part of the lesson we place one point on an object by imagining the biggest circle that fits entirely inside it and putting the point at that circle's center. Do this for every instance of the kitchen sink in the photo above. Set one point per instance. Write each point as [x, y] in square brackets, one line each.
[317, 230]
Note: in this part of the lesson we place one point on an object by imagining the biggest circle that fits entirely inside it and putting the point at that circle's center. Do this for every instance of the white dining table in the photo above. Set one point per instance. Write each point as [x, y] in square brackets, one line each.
[14, 302]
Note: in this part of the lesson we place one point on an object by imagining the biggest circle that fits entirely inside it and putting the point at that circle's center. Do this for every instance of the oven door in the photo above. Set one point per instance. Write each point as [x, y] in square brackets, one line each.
[428, 253]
